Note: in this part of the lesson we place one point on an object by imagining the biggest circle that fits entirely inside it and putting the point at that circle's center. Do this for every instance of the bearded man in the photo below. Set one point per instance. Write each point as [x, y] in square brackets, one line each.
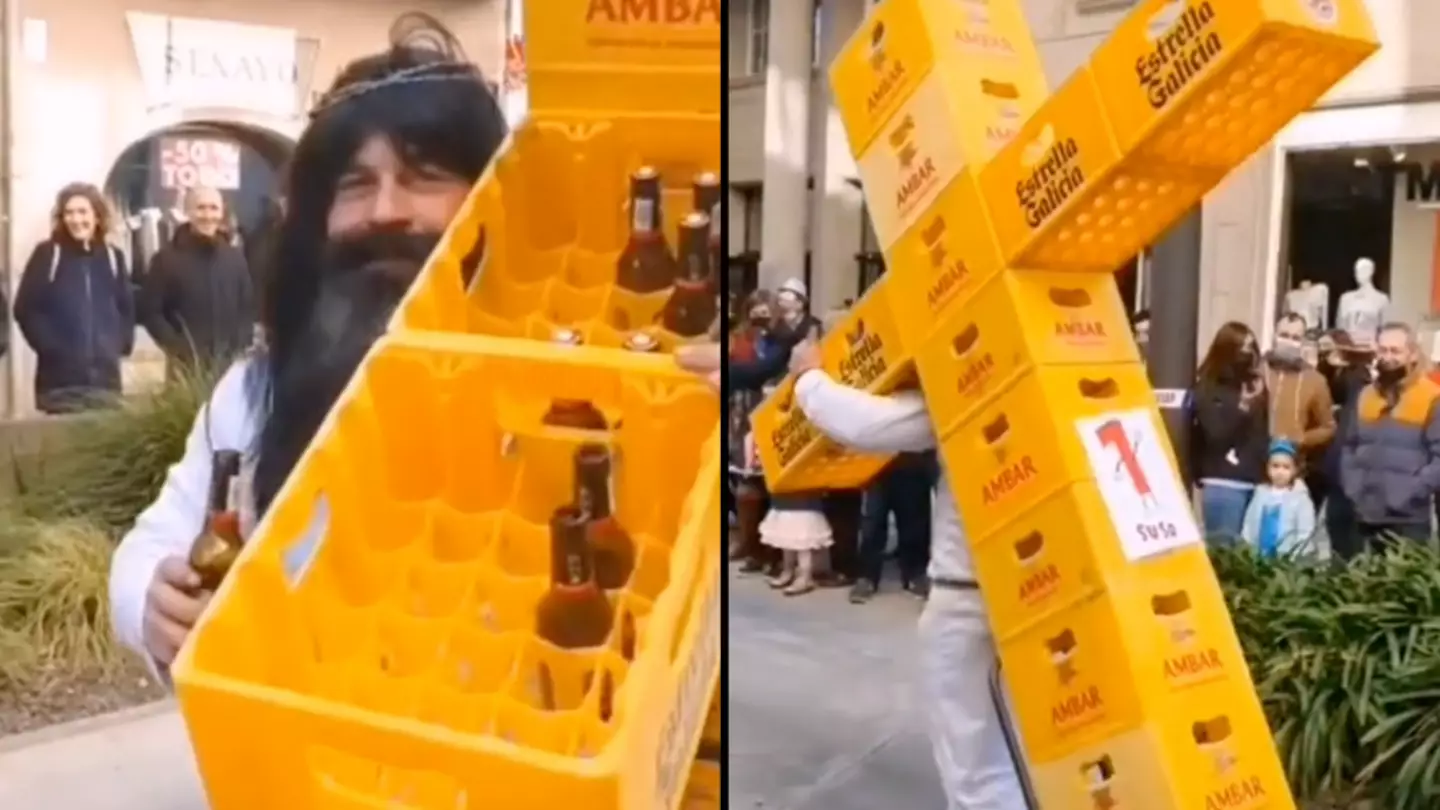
[388, 158]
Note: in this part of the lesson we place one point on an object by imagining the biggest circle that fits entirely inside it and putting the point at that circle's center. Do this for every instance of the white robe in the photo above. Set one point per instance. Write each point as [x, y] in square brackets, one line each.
[169, 526]
[957, 649]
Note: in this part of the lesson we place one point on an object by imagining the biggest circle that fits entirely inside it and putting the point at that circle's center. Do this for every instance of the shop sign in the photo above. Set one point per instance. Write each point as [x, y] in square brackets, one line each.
[1422, 180]
[191, 63]
[187, 163]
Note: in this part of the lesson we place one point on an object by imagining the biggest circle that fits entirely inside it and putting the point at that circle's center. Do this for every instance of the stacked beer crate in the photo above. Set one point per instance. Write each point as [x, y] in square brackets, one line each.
[1003, 214]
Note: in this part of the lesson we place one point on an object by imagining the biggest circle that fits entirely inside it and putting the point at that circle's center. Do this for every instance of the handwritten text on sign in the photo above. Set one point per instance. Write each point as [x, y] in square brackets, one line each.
[1142, 492]
[199, 162]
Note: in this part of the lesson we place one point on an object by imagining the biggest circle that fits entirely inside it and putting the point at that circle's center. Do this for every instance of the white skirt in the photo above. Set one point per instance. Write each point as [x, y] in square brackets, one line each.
[796, 530]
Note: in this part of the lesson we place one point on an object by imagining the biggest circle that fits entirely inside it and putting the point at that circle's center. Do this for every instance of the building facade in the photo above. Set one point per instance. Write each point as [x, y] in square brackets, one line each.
[149, 99]
[1367, 156]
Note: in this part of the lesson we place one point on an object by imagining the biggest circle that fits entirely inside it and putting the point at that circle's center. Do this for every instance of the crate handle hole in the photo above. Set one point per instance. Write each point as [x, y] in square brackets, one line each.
[299, 558]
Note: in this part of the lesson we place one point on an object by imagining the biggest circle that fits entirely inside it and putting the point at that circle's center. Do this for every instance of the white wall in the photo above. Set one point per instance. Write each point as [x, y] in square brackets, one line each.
[1412, 249]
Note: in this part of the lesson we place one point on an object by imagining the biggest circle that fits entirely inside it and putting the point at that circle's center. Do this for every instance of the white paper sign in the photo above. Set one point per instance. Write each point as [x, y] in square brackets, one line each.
[1143, 494]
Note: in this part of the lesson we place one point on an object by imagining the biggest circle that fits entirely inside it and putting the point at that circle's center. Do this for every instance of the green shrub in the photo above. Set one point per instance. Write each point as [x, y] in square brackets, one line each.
[1347, 662]
[54, 609]
[112, 463]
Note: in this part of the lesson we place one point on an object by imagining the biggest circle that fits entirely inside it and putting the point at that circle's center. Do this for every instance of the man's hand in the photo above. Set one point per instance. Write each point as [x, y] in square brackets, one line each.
[173, 604]
[805, 357]
[703, 359]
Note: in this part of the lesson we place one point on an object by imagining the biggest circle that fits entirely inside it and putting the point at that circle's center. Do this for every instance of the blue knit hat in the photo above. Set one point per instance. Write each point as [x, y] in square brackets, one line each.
[1284, 447]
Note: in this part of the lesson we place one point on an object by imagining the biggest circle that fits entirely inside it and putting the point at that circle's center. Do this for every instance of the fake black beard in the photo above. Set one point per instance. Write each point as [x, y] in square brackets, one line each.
[361, 283]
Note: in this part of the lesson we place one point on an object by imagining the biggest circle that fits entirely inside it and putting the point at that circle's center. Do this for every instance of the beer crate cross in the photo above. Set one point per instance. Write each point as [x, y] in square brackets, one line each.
[1003, 213]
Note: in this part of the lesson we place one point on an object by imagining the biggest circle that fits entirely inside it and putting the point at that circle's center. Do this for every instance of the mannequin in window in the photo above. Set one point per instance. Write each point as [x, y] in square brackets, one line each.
[1364, 308]
[1312, 302]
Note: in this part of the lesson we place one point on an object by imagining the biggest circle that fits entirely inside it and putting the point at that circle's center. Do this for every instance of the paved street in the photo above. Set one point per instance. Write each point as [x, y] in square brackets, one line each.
[822, 710]
[134, 761]
[822, 717]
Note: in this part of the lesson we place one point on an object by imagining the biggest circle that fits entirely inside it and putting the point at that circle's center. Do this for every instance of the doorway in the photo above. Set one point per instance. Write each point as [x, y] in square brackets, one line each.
[1342, 208]
[149, 181]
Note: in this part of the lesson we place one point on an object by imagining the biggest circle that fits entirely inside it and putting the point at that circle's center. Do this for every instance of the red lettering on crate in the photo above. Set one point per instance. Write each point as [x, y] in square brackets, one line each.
[1009, 479]
[1077, 708]
[654, 12]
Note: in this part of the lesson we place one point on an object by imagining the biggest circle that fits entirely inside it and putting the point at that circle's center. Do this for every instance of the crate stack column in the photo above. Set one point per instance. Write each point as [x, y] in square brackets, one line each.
[927, 91]
[1128, 681]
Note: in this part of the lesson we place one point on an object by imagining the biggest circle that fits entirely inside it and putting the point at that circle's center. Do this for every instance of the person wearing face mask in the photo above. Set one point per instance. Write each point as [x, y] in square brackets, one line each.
[198, 298]
[1390, 462]
[1231, 430]
[1347, 369]
[75, 306]
[751, 345]
[1301, 410]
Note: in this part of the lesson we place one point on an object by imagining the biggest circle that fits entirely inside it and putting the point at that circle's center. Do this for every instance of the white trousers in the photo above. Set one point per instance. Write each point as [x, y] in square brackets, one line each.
[957, 655]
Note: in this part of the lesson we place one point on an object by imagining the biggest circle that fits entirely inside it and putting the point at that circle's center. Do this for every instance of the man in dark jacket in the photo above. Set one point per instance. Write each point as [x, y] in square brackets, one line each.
[75, 306]
[1390, 459]
[197, 299]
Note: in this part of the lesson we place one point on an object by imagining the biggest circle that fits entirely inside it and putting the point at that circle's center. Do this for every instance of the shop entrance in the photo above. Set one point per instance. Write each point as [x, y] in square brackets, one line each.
[1342, 207]
[149, 182]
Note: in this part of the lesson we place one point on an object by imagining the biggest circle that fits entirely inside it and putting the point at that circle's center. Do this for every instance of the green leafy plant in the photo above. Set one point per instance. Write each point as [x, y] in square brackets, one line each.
[1347, 663]
[113, 462]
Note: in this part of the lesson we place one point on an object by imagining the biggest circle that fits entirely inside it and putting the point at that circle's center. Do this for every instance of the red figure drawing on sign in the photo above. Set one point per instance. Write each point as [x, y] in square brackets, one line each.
[1112, 434]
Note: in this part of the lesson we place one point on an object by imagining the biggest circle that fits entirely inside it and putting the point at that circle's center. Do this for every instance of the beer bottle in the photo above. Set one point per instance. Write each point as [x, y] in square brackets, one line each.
[707, 202]
[576, 414]
[691, 308]
[574, 614]
[613, 548]
[645, 265]
[215, 550]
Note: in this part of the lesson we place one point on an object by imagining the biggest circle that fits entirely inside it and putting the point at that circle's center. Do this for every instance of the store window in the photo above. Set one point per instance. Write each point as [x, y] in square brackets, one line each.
[869, 260]
[149, 182]
[758, 39]
[743, 268]
[1342, 207]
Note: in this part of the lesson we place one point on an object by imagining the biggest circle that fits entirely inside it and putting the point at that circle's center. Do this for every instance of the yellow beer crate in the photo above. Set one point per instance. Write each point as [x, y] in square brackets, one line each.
[1059, 425]
[1019, 320]
[1210, 750]
[1159, 631]
[536, 246]
[921, 153]
[863, 351]
[376, 643]
[1064, 195]
[937, 265]
[979, 59]
[710, 736]
[1048, 559]
[1206, 83]
[703, 790]
[620, 55]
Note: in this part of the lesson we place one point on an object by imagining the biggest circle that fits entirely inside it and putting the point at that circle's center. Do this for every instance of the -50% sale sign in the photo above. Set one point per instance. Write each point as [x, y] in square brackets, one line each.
[1146, 501]
[187, 163]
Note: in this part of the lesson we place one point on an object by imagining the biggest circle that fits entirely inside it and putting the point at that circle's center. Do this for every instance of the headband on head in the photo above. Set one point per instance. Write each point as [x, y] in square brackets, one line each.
[413, 31]
[419, 74]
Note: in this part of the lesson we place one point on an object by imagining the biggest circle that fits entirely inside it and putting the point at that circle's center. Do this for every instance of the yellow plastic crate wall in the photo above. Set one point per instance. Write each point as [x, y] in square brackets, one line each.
[383, 638]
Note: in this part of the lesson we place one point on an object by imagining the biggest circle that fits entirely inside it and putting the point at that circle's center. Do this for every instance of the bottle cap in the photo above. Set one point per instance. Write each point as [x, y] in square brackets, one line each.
[707, 179]
[593, 454]
[641, 342]
[646, 173]
[569, 337]
[698, 220]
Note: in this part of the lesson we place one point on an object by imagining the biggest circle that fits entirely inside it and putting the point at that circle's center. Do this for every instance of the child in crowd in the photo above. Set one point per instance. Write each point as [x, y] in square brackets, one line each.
[796, 526]
[1281, 517]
